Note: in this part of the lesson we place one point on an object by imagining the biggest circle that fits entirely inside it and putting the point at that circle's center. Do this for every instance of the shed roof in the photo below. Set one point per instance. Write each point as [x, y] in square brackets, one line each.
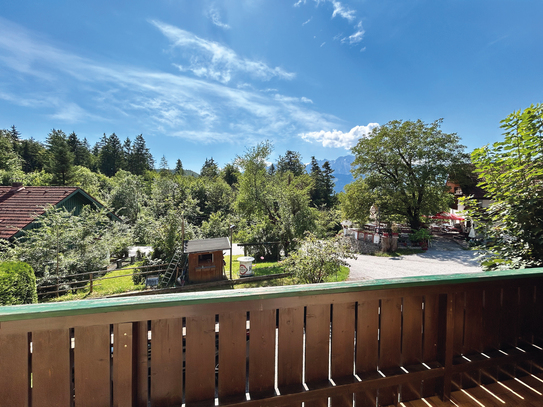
[19, 205]
[207, 245]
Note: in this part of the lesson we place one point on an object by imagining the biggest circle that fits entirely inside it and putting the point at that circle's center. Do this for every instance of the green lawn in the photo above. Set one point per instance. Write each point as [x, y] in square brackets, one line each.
[102, 288]
[106, 287]
[264, 269]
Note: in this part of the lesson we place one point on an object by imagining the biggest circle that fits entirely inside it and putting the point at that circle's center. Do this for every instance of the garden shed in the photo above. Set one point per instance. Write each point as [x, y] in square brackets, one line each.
[206, 259]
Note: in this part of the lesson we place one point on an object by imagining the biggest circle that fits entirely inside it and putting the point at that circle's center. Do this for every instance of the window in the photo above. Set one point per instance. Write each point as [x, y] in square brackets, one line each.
[205, 259]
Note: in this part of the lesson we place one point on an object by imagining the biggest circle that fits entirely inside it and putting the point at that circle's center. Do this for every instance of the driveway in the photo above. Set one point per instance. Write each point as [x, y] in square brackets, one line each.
[444, 257]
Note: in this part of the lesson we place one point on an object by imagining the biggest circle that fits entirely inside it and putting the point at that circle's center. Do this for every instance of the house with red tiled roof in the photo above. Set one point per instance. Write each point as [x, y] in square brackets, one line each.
[20, 205]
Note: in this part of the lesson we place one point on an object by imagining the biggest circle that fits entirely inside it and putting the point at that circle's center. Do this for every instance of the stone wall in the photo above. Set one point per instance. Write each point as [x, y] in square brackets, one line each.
[361, 246]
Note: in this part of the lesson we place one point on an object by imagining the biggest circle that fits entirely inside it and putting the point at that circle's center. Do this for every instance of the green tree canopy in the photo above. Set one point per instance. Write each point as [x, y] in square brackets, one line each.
[405, 166]
[512, 174]
[278, 204]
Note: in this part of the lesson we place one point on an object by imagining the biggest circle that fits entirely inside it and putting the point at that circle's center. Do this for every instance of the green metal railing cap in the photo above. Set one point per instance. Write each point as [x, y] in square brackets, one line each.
[83, 307]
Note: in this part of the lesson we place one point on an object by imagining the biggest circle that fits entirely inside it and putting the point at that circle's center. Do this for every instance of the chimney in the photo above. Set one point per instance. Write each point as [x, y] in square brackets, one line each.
[16, 187]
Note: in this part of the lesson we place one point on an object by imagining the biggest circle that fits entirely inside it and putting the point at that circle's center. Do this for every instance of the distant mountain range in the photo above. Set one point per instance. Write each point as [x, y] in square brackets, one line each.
[342, 170]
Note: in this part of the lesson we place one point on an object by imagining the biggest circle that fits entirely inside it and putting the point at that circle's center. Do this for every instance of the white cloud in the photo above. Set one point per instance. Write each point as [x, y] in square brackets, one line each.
[342, 11]
[72, 113]
[209, 59]
[298, 3]
[337, 138]
[355, 38]
[215, 17]
[307, 21]
[323, 44]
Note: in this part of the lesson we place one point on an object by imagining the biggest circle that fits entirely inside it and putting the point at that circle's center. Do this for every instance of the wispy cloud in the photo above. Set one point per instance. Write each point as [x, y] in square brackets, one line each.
[337, 138]
[215, 17]
[356, 37]
[209, 59]
[31, 71]
[323, 44]
[342, 11]
[307, 21]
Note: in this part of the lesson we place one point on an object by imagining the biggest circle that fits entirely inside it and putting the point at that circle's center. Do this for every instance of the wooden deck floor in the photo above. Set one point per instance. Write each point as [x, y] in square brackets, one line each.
[526, 392]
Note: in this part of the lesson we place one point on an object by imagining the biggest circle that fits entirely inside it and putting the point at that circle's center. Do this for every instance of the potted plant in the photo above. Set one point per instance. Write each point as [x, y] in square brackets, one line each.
[421, 237]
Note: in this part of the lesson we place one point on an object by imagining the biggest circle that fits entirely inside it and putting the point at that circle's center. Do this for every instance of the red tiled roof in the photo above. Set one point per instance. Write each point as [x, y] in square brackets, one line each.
[19, 206]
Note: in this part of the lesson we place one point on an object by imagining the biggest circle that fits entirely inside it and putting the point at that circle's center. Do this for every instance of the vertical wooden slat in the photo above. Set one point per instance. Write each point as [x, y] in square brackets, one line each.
[473, 331]
[491, 318]
[317, 342]
[166, 362]
[509, 316]
[141, 364]
[290, 350]
[51, 375]
[526, 310]
[92, 365]
[14, 375]
[343, 325]
[290, 346]
[491, 329]
[262, 353]
[390, 345]
[232, 355]
[411, 343]
[200, 360]
[538, 311]
[446, 336]
[473, 334]
[458, 340]
[123, 369]
[367, 348]
[430, 339]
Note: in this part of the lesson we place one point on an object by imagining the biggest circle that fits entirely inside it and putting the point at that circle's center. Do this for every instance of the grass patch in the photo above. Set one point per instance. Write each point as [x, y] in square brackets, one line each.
[102, 288]
[398, 253]
[267, 268]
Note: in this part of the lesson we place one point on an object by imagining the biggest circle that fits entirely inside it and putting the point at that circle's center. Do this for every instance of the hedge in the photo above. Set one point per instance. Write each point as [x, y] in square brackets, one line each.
[17, 283]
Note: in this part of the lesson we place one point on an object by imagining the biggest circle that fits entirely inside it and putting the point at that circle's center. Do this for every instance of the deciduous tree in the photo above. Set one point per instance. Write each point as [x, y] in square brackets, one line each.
[405, 166]
[512, 174]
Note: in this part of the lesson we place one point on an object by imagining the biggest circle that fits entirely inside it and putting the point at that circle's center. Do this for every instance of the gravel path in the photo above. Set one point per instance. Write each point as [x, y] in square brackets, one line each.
[444, 257]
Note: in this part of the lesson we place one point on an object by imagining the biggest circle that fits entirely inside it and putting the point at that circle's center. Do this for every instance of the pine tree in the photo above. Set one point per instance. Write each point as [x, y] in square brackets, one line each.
[61, 159]
[33, 154]
[179, 168]
[140, 158]
[164, 168]
[210, 169]
[329, 194]
[80, 150]
[15, 135]
[111, 155]
[317, 192]
[292, 161]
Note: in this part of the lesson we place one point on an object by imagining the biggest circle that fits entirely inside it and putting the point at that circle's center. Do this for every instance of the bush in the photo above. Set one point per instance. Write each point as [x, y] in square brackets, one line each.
[316, 259]
[17, 283]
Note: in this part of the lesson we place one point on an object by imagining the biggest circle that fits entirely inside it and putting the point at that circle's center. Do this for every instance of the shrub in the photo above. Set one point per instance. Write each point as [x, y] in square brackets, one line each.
[317, 259]
[17, 283]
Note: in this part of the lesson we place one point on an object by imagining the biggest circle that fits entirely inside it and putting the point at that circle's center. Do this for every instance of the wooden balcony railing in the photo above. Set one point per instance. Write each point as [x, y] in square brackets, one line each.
[368, 343]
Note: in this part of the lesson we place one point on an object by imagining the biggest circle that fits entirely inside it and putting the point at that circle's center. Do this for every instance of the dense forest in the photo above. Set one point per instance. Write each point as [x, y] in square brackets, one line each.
[266, 203]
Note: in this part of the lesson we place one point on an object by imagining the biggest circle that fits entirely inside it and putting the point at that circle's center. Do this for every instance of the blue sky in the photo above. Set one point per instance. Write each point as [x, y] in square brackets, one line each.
[204, 79]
